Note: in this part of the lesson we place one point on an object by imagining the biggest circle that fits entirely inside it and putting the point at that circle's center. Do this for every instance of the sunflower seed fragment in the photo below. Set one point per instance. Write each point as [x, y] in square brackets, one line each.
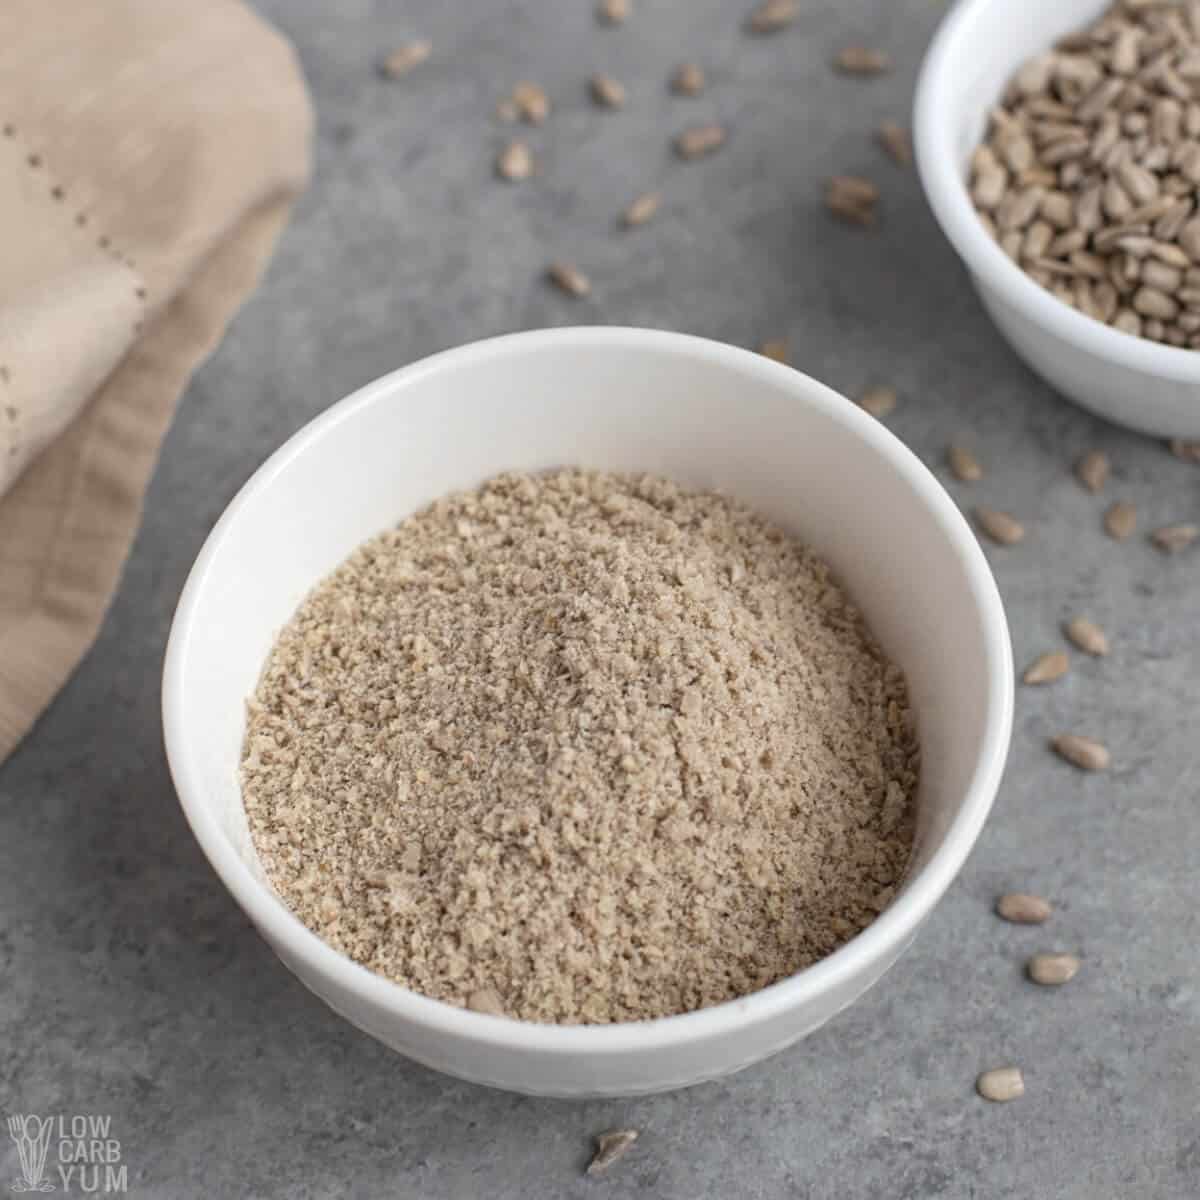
[897, 141]
[531, 102]
[1088, 636]
[1046, 668]
[610, 1147]
[688, 80]
[878, 401]
[852, 199]
[1083, 752]
[1001, 1084]
[772, 16]
[1171, 539]
[641, 209]
[515, 162]
[406, 57]
[1001, 527]
[607, 92]
[776, 349]
[1120, 521]
[861, 60]
[964, 464]
[569, 279]
[612, 12]
[1052, 970]
[699, 141]
[1092, 470]
[1021, 908]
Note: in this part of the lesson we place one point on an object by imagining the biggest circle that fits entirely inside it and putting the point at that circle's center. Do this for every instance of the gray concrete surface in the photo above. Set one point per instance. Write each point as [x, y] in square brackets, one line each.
[132, 986]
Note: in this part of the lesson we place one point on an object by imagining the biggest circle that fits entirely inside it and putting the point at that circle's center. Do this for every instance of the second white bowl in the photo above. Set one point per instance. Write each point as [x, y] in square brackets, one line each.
[1130, 380]
[710, 416]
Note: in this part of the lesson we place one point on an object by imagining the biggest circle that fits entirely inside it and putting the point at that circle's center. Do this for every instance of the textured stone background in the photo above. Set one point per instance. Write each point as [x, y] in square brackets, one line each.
[132, 985]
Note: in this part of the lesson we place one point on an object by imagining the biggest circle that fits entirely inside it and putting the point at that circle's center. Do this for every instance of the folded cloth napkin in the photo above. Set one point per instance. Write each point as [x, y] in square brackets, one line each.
[149, 153]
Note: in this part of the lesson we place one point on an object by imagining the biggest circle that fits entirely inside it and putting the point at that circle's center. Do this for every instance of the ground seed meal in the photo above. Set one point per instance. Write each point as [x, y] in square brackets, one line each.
[581, 747]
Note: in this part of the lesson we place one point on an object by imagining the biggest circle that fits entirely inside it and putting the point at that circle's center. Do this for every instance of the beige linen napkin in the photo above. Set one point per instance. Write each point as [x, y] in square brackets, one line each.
[149, 152]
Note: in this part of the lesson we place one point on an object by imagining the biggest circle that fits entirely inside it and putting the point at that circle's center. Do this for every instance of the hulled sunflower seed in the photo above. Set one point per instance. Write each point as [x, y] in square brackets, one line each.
[1083, 752]
[515, 162]
[1052, 970]
[1171, 539]
[1088, 636]
[688, 80]
[772, 16]
[861, 60]
[964, 464]
[1188, 452]
[486, 1001]
[852, 199]
[613, 12]
[1001, 527]
[1023, 909]
[1001, 1084]
[1046, 668]
[531, 102]
[406, 57]
[1092, 470]
[878, 401]
[699, 141]
[897, 141]
[569, 279]
[776, 349]
[607, 92]
[610, 1147]
[1120, 521]
[641, 209]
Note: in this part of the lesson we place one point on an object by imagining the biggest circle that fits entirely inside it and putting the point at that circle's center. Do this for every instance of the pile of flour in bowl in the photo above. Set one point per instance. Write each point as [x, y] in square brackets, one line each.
[581, 747]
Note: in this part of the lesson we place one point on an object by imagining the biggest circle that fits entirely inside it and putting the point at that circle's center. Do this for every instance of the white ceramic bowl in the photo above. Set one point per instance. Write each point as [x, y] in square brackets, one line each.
[1135, 382]
[708, 415]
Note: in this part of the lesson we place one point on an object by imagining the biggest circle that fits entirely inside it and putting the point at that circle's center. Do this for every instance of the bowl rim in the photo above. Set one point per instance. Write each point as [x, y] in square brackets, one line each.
[889, 933]
[946, 191]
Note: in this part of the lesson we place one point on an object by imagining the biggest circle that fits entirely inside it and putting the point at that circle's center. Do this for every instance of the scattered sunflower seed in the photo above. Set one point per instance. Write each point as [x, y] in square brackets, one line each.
[878, 401]
[1001, 527]
[852, 198]
[1170, 539]
[1092, 470]
[607, 92]
[1052, 970]
[1121, 520]
[406, 57]
[485, 1001]
[699, 141]
[964, 464]
[688, 80]
[777, 349]
[772, 16]
[1088, 636]
[860, 60]
[1185, 451]
[1046, 668]
[610, 1147]
[897, 141]
[569, 279]
[531, 102]
[1001, 1084]
[613, 12]
[641, 209]
[1023, 909]
[1082, 752]
[515, 162]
